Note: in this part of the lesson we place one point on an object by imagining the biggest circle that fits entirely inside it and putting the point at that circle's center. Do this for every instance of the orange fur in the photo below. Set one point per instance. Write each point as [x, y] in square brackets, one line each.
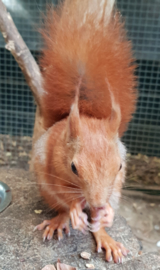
[95, 155]
[92, 51]
[90, 97]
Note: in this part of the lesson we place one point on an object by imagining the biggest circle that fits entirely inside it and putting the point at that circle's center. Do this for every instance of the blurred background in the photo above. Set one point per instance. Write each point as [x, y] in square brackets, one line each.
[140, 202]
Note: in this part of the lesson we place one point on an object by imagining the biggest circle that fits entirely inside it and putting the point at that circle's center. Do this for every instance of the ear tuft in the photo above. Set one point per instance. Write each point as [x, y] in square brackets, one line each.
[115, 118]
[73, 127]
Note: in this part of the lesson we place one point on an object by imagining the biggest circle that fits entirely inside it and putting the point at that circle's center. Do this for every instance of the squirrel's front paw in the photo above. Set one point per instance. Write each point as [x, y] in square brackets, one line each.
[78, 217]
[107, 219]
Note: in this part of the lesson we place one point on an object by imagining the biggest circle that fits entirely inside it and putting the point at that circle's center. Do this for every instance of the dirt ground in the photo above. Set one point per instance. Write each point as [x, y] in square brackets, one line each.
[143, 216]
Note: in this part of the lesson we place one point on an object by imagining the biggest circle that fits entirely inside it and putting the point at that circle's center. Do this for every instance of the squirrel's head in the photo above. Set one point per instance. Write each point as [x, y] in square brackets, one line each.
[96, 157]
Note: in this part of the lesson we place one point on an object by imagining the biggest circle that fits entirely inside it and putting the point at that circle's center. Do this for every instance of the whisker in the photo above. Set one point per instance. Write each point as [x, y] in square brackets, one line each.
[71, 188]
[54, 206]
[52, 175]
[46, 184]
[122, 197]
[67, 192]
[83, 199]
[71, 199]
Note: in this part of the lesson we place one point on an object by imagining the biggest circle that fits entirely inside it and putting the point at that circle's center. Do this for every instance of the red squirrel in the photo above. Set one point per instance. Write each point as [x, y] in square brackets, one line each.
[90, 96]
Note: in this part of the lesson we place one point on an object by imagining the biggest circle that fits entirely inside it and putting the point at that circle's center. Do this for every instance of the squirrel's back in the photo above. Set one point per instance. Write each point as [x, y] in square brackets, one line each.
[86, 39]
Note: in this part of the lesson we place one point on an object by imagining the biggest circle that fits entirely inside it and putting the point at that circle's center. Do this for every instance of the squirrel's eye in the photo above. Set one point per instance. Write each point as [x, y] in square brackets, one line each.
[73, 167]
[120, 167]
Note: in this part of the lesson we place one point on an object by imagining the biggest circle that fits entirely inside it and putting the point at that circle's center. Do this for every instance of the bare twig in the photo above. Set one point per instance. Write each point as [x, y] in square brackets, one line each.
[16, 45]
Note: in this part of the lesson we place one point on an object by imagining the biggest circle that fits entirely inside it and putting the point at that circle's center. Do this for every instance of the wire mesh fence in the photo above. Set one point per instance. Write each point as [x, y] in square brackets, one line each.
[16, 102]
[143, 25]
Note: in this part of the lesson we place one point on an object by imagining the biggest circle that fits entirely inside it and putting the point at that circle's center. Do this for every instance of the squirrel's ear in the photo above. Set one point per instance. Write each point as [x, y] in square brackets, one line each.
[73, 125]
[115, 118]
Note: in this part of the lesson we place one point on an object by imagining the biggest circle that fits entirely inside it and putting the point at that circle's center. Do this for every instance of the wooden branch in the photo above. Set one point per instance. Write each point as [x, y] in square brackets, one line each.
[16, 45]
[134, 193]
[140, 187]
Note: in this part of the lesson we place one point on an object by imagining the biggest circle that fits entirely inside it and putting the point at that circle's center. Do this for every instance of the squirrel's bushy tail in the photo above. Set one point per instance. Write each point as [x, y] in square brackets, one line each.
[86, 39]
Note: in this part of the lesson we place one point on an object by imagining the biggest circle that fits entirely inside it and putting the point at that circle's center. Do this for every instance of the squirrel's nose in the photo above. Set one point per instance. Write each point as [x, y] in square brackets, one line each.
[97, 208]
[97, 212]
[100, 208]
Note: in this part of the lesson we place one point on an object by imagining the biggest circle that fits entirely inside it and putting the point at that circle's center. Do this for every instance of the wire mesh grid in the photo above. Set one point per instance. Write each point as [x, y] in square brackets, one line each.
[16, 102]
[143, 25]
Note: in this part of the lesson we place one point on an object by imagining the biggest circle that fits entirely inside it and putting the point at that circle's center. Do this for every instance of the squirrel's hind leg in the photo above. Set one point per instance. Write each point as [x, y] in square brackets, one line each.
[114, 250]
